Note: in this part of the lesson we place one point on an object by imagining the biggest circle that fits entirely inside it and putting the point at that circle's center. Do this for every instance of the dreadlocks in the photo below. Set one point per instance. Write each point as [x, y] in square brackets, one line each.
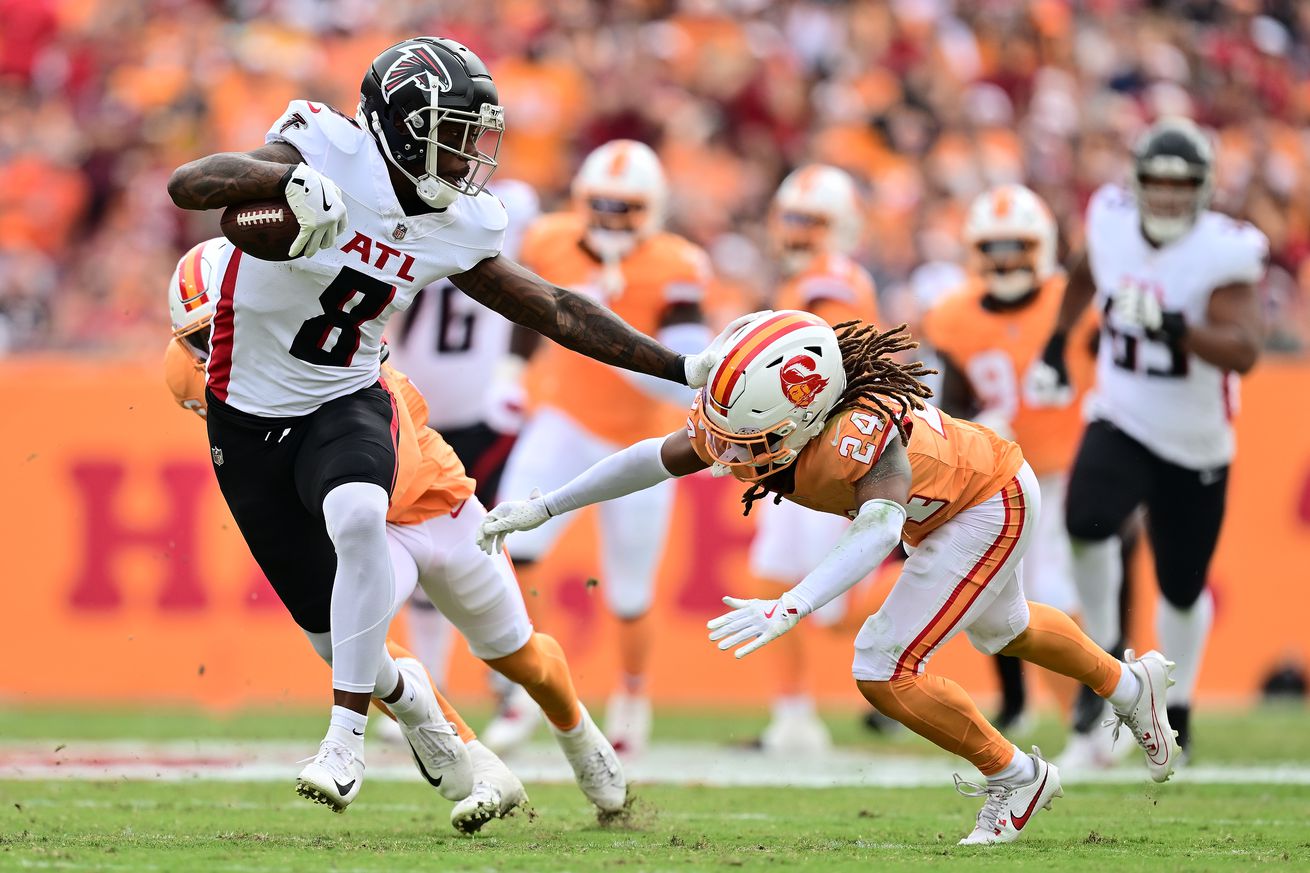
[873, 377]
[873, 381]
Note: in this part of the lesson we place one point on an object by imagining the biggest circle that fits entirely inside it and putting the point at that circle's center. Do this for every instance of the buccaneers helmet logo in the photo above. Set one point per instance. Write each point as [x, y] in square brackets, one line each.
[800, 381]
[417, 63]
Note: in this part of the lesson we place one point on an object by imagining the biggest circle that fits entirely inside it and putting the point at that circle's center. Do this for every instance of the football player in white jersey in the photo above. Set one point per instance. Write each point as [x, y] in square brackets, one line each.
[302, 430]
[1175, 283]
[456, 351]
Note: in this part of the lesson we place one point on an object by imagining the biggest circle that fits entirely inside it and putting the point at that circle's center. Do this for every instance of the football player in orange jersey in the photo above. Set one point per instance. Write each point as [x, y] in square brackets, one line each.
[833, 422]
[987, 334]
[611, 247]
[814, 225]
[431, 523]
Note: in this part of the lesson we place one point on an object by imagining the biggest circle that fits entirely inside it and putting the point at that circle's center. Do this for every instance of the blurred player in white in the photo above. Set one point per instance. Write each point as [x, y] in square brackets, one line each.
[454, 349]
[1180, 319]
[987, 334]
[814, 226]
[612, 247]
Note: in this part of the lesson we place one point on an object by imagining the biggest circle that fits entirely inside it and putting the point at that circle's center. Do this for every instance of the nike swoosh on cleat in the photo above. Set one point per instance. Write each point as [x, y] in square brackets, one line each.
[435, 783]
[1020, 820]
[357, 733]
[343, 790]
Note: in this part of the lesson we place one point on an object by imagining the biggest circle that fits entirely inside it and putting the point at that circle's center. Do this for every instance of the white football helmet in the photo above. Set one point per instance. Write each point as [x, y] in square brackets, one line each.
[193, 294]
[771, 392]
[621, 190]
[817, 209]
[1012, 238]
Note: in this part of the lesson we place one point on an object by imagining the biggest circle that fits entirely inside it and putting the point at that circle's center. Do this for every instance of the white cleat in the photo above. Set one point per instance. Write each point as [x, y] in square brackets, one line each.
[1008, 808]
[516, 720]
[627, 723]
[1147, 718]
[796, 730]
[496, 792]
[595, 764]
[439, 753]
[332, 777]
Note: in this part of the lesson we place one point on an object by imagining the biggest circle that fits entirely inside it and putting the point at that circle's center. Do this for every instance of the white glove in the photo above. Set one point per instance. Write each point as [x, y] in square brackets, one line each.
[510, 516]
[1043, 387]
[759, 621]
[1132, 306]
[319, 208]
[505, 398]
[698, 366]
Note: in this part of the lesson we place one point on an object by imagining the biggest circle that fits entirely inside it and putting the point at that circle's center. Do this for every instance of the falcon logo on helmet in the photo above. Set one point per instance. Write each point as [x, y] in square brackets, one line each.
[417, 62]
[800, 380]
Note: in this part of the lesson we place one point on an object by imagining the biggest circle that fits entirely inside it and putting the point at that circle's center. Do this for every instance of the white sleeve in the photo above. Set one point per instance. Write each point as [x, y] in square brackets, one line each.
[685, 339]
[1243, 257]
[633, 469]
[866, 543]
[301, 127]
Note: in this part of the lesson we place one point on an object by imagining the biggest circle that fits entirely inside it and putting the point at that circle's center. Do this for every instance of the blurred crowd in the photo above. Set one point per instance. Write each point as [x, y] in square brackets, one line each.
[926, 102]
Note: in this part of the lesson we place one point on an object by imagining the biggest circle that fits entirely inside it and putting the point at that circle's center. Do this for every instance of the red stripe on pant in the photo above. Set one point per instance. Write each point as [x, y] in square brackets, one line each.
[1016, 509]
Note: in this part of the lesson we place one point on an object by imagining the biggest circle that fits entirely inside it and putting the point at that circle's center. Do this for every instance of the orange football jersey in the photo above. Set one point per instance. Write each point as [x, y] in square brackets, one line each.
[663, 270]
[955, 464]
[430, 479]
[995, 351]
[833, 287]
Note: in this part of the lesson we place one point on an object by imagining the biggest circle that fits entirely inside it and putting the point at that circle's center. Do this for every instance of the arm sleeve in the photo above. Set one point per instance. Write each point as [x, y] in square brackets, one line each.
[866, 543]
[633, 469]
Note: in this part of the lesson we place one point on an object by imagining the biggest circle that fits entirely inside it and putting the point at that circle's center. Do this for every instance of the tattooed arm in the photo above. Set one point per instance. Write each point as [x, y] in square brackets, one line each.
[572, 320]
[233, 177]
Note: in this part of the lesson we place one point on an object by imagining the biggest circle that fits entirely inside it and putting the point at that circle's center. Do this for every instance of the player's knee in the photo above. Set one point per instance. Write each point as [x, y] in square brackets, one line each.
[628, 601]
[877, 649]
[355, 512]
[1182, 594]
[1085, 520]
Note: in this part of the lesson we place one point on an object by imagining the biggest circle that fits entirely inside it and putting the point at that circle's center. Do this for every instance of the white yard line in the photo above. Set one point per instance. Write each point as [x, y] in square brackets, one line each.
[674, 764]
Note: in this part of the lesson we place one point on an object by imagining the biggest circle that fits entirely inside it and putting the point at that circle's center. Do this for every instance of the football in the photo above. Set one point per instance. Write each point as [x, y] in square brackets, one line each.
[263, 229]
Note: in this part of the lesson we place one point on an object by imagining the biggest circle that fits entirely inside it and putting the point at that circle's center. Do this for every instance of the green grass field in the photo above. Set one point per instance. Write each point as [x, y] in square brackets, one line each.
[240, 826]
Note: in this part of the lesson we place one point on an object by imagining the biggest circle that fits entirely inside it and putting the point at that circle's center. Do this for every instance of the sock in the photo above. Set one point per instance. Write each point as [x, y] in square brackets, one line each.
[1180, 719]
[388, 677]
[543, 672]
[1183, 633]
[635, 641]
[430, 636]
[1020, 771]
[347, 727]
[396, 650]
[940, 711]
[1125, 692]
[633, 685]
[1053, 641]
[1098, 575]
[363, 590]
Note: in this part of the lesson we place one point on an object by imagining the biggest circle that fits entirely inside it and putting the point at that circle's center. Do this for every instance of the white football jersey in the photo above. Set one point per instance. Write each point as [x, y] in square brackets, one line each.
[1174, 403]
[449, 344]
[289, 336]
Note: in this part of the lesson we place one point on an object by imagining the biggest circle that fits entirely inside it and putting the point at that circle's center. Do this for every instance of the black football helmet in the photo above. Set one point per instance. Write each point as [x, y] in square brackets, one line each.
[427, 95]
[1173, 178]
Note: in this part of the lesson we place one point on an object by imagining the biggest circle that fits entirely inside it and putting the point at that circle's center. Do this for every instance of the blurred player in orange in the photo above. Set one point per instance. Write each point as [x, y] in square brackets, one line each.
[987, 334]
[431, 523]
[611, 247]
[833, 422]
[814, 226]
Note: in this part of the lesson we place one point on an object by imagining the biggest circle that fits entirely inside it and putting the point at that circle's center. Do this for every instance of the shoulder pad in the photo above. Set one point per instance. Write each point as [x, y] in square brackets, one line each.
[315, 129]
[1240, 250]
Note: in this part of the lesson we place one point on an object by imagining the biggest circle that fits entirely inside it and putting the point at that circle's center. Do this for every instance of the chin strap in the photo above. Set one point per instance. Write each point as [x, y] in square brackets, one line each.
[433, 192]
